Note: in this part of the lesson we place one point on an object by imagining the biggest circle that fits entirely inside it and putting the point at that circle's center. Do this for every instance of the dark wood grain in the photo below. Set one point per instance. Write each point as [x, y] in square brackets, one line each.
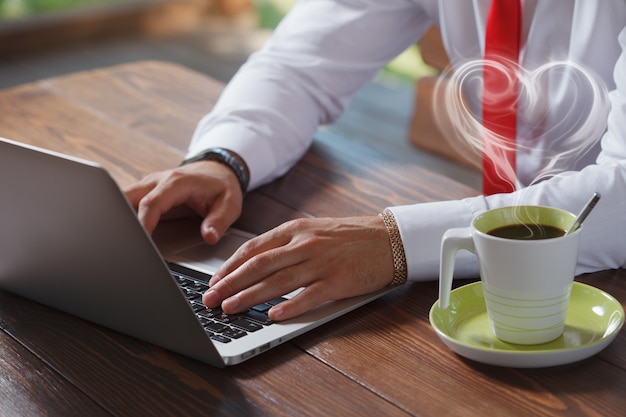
[30, 387]
[140, 101]
[381, 360]
[46, 120]
[396, 343]
[130, 377]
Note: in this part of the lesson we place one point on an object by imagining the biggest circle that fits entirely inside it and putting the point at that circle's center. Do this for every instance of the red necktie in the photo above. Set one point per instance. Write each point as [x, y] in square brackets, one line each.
[500, 93]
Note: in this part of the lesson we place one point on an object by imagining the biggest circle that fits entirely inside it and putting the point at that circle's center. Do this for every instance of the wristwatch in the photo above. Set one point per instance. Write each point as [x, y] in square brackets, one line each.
[228, 158]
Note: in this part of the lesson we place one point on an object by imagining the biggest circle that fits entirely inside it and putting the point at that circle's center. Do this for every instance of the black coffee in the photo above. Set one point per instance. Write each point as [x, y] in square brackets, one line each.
[527, 232]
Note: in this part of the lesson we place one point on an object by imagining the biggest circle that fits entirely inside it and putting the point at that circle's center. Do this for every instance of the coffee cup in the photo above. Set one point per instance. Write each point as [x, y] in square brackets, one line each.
[527, 265]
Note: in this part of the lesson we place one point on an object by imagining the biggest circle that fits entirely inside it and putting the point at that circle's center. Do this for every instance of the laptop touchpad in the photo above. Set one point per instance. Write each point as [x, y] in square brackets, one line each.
[210, 257]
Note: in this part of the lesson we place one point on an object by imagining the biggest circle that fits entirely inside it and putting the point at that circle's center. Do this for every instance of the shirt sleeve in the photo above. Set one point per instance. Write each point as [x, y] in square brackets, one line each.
[604, 232]
[304, 77]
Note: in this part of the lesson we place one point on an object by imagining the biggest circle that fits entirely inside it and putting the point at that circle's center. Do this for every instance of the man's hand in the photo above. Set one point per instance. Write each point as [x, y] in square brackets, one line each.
[207, 188]
[331, 258]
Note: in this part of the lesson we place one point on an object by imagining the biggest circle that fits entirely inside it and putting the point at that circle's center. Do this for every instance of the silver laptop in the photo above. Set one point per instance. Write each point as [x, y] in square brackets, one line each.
[69, 239]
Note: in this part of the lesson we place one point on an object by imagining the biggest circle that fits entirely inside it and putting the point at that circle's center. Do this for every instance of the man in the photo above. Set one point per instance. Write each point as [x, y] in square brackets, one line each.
[320, 55]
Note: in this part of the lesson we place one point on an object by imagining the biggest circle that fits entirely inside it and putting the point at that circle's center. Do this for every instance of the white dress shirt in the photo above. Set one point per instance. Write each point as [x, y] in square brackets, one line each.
[325, 50]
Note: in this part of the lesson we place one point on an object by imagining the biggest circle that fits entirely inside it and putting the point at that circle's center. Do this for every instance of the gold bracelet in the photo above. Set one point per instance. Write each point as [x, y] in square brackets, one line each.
[397, 248]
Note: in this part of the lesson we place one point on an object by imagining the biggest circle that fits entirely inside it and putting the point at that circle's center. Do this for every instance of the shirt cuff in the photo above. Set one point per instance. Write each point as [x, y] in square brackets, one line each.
[421, 228]
[257, 155]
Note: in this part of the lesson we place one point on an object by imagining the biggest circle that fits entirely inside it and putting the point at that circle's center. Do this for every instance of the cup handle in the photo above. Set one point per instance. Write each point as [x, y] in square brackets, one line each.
[453, 240]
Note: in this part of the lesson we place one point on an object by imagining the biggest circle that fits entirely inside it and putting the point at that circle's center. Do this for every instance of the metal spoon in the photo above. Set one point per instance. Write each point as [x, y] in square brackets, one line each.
[584, 213]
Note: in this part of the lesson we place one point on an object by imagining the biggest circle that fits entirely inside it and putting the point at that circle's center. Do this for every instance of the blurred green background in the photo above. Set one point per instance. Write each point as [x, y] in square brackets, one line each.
[408, 66]
[20, 9]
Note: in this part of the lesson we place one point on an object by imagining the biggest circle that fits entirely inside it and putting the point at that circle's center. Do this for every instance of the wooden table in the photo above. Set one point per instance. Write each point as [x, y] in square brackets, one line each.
[381, 360]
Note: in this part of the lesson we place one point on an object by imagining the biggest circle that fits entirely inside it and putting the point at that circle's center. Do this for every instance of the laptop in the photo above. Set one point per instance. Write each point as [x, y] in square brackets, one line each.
[69, 239]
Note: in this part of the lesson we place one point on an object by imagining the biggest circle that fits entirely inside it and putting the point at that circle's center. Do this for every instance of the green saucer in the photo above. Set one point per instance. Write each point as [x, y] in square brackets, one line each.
[593, 320]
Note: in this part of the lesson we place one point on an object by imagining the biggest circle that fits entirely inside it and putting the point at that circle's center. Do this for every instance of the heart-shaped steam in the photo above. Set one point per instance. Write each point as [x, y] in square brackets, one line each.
[562, 113]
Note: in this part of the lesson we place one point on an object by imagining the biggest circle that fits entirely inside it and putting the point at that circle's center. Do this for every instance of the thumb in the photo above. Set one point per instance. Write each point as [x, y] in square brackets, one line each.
[211, 232]
[215, 224]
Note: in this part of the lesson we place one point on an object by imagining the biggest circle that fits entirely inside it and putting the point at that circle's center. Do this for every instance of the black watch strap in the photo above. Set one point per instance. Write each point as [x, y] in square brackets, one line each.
[228, 158]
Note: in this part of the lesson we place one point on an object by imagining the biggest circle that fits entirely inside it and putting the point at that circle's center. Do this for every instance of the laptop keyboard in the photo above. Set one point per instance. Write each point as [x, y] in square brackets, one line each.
[220, 326]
